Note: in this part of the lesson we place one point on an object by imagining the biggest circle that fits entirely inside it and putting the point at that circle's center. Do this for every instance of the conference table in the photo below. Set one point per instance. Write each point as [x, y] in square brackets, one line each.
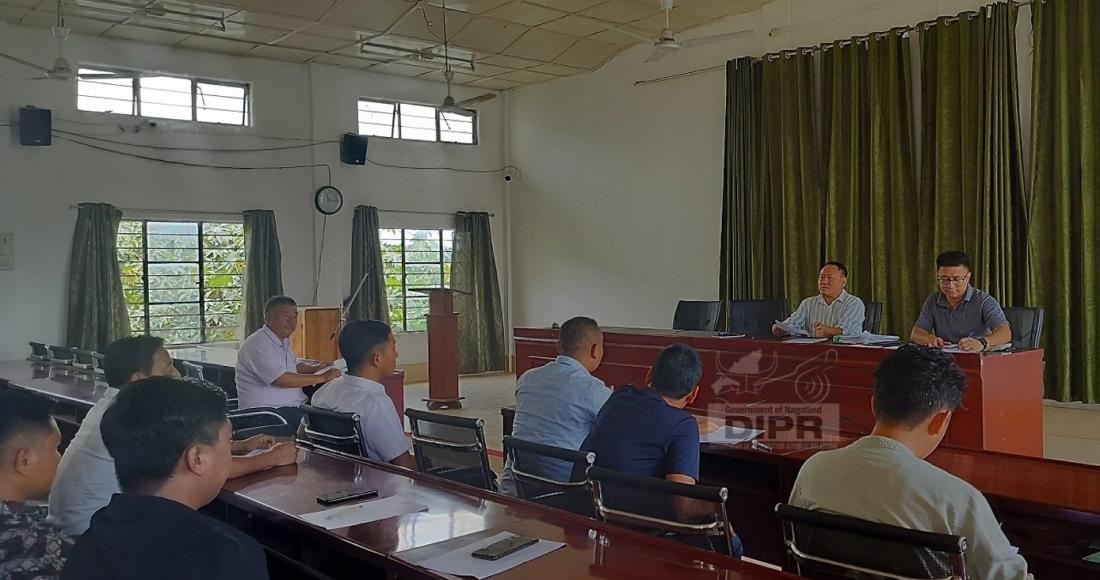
[1002, 410]
[268, 506]
[73, 391]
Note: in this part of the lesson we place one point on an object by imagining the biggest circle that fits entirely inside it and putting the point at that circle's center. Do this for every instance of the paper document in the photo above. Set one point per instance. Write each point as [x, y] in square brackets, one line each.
[802, 340]
[461, 563]
[730, 435]
[363, 512]
[867, 338]
[791, 330]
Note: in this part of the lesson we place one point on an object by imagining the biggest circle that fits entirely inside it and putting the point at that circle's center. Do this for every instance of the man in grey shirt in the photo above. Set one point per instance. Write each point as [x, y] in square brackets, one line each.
[557, 403]
[959, 313]
[884, 478]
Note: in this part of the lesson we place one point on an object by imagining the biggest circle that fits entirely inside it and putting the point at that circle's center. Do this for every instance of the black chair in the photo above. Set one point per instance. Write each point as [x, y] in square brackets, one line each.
[88, 360]
[694, 514]
[826, 545]
[1027, 326]
[872, 317]
[755, 317]
[192, 370]
[61, 354]
[451, 447]
[333, 430]
[259, 421]
[527, 458]
[39, 351]
[696, 315]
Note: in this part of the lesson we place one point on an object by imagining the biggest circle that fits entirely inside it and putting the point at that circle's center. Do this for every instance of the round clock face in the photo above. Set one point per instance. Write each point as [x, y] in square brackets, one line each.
[329, 200]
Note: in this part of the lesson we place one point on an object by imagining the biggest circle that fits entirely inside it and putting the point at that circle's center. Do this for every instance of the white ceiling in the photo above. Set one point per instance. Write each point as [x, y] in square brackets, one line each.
[509, 43]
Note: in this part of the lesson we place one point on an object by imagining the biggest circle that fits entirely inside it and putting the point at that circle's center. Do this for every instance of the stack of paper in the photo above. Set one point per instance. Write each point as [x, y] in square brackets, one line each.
[730, 435]
[867, 338]
[460, 562]
[363, 512]
[790, 330]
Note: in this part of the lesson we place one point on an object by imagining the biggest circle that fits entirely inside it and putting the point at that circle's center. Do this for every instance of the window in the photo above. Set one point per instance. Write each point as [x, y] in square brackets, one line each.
[164, 97]
[413, 259]
[183, 279]
[415, 122]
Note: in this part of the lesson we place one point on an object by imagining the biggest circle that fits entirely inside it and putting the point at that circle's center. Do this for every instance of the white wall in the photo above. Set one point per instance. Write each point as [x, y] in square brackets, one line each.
[617, 214]
[37, 185]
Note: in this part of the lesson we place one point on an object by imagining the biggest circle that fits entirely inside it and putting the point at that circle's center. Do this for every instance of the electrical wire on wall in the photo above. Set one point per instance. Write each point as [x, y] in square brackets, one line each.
[320, 257]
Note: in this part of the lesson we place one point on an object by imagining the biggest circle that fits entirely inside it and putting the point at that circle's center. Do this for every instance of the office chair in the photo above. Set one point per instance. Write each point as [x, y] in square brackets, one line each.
[40, 352]
[872, 317]
[65, 355]
[826, 545]
[528, 459]
[696, 315]
[1027, 326]
[756, 317]
[333, 430]
[451, 447]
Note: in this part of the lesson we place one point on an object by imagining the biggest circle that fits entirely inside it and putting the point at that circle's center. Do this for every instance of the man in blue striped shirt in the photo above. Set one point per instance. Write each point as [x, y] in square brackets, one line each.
[832, 312]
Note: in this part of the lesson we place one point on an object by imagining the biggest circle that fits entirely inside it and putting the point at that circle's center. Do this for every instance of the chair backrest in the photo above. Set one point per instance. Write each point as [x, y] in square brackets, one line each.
[826, 545]
[451, 447]
[661, 506]
[872, 317]
[86, 359]
[1027, 326]
[62, 354]
[755, 317]
[192, 370]
[333, 430]
[696, 315]
[39, 351]
[529, 461]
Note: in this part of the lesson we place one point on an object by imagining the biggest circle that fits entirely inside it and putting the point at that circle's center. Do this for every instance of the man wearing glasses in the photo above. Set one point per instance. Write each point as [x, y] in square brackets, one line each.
[959, 313]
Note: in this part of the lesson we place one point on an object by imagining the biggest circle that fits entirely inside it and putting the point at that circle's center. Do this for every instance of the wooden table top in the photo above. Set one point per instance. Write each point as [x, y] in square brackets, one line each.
[458, 515]
[55, 381]
[220, 356]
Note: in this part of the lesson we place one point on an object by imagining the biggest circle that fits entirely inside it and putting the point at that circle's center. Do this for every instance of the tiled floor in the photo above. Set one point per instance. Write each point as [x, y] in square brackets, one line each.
[1072, 431]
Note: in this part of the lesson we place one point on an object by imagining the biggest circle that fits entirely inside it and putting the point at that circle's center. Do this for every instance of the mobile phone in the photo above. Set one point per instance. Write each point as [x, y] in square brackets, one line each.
[346, 495]
[498, 550]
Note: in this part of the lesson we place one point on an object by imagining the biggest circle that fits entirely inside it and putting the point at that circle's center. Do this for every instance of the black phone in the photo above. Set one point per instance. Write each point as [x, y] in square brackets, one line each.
[498, 550]
[346, 495]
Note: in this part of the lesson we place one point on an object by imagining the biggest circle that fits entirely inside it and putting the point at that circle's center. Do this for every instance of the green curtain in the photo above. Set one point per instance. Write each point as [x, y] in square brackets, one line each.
[790, 204]
[97, 307]
[870, 189]
[1065, 188]
[481, 340]
[972, 191]
[263, 274]
[740, 181]
[366, 255]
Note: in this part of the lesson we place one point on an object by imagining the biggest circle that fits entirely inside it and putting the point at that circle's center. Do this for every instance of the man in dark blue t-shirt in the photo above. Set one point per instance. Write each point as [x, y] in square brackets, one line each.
[645, 430]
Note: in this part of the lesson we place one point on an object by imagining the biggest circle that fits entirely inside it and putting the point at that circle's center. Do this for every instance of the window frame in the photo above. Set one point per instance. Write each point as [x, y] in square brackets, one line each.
[200, 261]
[444, 276]
[135, 87]
[438, 120]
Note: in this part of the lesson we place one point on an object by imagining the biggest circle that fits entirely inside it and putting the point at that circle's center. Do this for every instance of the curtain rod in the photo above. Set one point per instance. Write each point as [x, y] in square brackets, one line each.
[238, 214]
[451, 213]
[900, 30]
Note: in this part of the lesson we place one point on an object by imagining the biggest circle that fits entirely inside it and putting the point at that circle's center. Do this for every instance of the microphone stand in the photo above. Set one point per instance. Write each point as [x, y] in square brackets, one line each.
[347, 307]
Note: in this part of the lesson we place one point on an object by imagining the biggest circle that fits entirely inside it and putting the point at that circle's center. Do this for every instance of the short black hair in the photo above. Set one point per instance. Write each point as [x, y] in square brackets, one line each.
[577, 333]
[839, 266]
[916, 382]
[952, 259]
[277, 301]
[22, 412]
[677, 370]
[152, 422]
[129, 355]
[361, 338]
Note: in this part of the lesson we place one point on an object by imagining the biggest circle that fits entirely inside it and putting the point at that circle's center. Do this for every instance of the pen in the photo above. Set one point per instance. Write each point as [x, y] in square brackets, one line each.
[757, 444]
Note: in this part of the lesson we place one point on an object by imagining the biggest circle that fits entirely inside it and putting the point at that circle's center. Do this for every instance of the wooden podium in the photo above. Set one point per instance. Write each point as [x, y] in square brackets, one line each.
[313, 339]
[442, 349]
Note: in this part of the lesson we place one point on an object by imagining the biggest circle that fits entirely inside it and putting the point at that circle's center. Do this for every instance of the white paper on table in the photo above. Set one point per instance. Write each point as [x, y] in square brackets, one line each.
[730, 435]
[363, 512]
[804, 340]
[791, 330]
[460, 562]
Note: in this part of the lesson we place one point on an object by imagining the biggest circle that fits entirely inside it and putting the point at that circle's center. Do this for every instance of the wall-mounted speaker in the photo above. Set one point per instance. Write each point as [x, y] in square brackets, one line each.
[353, 149]
[35, 126]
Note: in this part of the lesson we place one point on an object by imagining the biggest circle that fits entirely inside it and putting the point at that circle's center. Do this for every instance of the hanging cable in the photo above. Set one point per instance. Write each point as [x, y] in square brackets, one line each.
[210, 149]
[320, 257]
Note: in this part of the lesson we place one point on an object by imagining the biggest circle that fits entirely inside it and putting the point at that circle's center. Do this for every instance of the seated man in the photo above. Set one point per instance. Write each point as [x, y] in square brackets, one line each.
[171, 444]
[370, 350]
[832, 312]
[883, 477]
[30, 547]
[557, 403]
[86, 478]
[959, 313]
[268, 373]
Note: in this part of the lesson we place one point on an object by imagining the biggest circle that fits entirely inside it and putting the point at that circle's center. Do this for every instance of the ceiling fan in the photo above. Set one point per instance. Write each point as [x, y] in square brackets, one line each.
[666, 43]
[61, 69]
[449, 105]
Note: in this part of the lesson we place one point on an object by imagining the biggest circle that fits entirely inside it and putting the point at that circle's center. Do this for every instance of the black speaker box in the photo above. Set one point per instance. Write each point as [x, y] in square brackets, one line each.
[34, 126]
[353, 149]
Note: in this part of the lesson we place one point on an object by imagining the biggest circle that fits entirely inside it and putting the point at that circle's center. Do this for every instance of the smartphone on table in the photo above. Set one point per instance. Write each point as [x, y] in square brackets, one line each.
[498, 550]
[346, 495]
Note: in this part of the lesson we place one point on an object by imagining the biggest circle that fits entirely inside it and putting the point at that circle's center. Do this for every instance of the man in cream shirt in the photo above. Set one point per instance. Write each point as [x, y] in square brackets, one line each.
[884, 478]
[832, 312]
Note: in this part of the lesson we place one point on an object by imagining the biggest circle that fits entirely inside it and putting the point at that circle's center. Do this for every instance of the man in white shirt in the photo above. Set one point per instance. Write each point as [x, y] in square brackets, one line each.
[832, 312]
[884, 478]
[370, 350]
[86, 478]
[268, 373]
